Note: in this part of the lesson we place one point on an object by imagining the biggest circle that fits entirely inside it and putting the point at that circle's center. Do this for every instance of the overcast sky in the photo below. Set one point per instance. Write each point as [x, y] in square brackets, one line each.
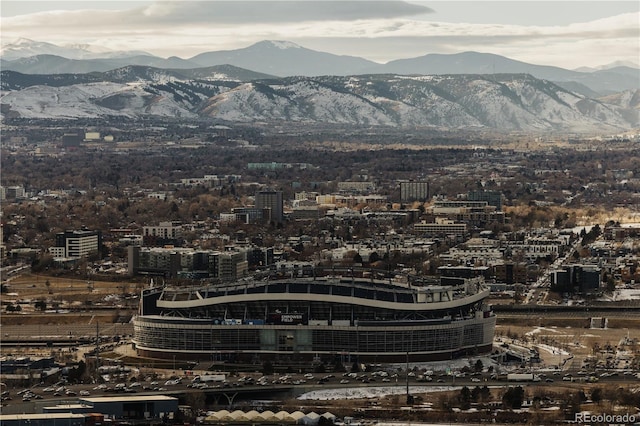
[569, 34]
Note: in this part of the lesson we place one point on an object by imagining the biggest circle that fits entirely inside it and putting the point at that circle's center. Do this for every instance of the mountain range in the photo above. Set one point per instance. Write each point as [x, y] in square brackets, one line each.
[505, 102]
[285, 59]
[271, 84]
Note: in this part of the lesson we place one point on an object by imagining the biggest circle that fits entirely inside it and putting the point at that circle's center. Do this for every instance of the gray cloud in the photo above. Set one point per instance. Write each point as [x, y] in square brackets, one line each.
[377, 30]
[230, 12]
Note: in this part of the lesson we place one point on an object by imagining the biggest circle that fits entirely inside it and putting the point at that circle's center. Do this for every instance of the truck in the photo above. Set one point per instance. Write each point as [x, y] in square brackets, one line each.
[206, 378]
[522, 377]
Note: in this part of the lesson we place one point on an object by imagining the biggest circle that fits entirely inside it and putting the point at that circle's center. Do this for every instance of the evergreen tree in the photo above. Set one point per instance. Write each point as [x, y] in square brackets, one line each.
[513, 397]
[464, 398]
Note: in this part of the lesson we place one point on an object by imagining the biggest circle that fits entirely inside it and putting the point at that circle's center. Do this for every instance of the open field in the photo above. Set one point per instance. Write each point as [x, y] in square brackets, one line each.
[33, 286]
[72, 302]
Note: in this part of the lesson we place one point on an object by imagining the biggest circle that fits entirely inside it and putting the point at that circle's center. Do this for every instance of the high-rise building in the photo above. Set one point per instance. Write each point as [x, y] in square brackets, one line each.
[272, 200]
[414, 191]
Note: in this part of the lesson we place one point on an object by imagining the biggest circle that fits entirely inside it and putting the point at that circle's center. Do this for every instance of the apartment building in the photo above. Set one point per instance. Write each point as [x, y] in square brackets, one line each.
[174, 262]
[359, 187]
[475, 213]
[493, 198]
[163, 233]
[441, 227]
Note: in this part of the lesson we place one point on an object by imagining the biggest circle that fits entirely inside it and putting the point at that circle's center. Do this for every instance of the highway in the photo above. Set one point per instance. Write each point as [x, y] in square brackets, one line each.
[233, 391]
[43, 333]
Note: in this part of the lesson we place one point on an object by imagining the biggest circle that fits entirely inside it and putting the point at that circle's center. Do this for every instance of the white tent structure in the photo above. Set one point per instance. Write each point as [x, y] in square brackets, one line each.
[299, 417]
[329, 416]
[255, 417]
[311, 419]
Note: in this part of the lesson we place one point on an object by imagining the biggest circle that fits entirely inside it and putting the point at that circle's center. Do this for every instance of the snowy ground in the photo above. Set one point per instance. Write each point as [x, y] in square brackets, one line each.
[541, 329]
[410, 424]
[371, 392]
[442, 366]
[552, 349]
[623, 294]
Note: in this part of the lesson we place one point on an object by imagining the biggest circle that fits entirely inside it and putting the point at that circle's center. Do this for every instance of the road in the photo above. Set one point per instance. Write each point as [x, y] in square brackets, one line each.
[55, 332]
[223, 394]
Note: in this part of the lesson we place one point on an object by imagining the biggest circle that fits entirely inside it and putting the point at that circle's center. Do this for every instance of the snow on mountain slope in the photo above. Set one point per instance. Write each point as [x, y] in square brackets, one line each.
[514, 102]
[564, 109]
[301, 101]
[325, 104]
[91, 100]
[626, 99]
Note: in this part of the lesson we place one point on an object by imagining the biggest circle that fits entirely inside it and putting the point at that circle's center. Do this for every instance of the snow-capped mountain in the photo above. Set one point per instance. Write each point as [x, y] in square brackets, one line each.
[506, 102]
[283, 58]
[612, 65]
[24, 48]
[601, 81]
[48, 64]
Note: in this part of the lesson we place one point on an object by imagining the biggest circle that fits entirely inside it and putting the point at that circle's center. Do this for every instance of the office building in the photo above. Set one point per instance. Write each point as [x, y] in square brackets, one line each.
[271, 200]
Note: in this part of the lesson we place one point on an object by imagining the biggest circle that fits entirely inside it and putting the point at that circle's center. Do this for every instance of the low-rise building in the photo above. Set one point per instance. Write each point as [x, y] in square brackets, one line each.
[476, 213]
[533, 248]
[577, 278]
[134, 406]
[76, 244]
[441, 227]
[47, 419]
[163, 231]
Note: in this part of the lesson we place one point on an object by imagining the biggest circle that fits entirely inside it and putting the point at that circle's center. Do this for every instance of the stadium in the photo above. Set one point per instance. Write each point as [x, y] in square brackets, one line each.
[297, 318]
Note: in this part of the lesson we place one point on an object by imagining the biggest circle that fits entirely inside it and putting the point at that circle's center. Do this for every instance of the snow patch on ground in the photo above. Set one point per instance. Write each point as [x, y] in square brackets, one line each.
[552, 349]
[539, 329]
[453, 365]
[409, 424]
[623, 294]
[371, 392]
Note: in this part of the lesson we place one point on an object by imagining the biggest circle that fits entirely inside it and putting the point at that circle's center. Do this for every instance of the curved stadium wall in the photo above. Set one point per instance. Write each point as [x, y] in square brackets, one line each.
[307, 318]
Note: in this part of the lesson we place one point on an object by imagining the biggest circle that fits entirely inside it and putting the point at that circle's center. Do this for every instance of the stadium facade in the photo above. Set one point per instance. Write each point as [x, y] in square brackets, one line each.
[363, 318]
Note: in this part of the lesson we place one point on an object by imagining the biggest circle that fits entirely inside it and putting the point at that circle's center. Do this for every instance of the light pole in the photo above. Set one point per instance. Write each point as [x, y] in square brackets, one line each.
[409, 398]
